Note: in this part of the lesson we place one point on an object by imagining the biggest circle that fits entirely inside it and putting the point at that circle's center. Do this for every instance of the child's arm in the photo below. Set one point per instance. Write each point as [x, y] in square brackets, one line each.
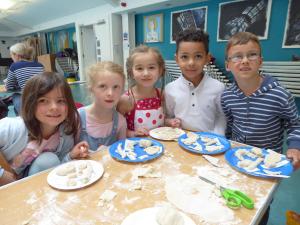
[137, 132]
[122, 128]
[6, 177]
[294, 155]
[80, 150]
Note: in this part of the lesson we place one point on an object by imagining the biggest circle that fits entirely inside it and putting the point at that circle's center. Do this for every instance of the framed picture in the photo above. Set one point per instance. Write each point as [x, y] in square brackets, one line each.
[185, 19]
[153, 28]
[246, 15]
[291, 37]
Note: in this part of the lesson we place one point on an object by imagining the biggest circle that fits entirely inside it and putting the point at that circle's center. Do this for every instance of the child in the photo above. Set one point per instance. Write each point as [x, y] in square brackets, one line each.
[142, 103]
[20, 71]
[101, 124]
[257, 107]
[44, 135]
[193, 100]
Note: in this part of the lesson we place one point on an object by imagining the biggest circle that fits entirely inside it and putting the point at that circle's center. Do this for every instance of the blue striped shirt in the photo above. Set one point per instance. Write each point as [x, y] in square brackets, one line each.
[19, 72]
[262, 118]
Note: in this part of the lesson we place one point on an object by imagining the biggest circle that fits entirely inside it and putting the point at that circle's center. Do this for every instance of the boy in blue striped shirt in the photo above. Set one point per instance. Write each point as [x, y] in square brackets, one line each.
[258, 109]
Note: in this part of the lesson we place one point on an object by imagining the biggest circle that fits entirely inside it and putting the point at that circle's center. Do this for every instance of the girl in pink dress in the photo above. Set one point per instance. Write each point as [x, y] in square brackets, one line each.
[142, 103]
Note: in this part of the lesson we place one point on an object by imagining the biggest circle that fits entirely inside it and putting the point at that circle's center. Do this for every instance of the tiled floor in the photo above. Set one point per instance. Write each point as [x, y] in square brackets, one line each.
[287, 196]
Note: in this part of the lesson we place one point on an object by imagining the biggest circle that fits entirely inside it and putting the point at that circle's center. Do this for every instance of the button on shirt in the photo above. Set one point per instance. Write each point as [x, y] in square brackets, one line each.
[199, 108]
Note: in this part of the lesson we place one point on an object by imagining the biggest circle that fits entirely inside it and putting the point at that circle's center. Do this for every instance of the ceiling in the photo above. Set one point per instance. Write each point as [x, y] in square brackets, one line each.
[28, 13]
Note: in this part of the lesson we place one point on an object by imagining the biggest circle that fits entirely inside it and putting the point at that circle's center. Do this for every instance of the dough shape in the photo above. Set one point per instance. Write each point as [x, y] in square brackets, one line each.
[168, 215]
[144, 143]
[272, 159]
[71, 182]
[152, 150]
[66, 170]
[240, 153]
[257, 151]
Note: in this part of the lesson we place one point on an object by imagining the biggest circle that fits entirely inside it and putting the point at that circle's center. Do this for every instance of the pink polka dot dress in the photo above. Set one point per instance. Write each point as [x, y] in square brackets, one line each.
[146, 113]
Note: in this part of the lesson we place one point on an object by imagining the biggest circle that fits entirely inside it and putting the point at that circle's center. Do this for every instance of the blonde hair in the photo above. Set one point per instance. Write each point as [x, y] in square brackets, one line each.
[23, 50]
[100, 67]
[241, 38]
[143, 49]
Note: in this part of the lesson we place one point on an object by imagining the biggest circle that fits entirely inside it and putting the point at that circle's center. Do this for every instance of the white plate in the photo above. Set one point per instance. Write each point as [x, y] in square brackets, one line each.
[61, 182]
[147, 216]
[166, 133]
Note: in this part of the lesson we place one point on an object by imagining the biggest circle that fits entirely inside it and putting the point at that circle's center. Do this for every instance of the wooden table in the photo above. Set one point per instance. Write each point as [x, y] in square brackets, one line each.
[33, 201]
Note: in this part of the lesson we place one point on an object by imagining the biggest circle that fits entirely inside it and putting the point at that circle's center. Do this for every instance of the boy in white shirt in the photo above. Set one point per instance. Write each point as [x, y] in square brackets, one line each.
[193, 100]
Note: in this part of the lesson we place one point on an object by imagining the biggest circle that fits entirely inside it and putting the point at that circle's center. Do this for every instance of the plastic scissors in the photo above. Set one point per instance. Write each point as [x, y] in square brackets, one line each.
[234, 198]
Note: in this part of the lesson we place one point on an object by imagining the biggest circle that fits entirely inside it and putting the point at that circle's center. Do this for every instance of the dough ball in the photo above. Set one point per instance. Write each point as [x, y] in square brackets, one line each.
[167, 215]
[144, 143]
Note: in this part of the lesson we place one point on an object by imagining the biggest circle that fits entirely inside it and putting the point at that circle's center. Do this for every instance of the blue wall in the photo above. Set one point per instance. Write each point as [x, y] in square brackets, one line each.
[272, 47]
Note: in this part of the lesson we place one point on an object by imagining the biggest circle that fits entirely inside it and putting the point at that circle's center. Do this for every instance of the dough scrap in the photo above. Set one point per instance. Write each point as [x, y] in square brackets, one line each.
[152, 150]
[272, 159]
[144, 143]
[66, 170]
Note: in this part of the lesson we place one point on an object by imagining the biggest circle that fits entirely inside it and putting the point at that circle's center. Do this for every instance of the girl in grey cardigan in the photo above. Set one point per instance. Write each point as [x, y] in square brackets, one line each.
[45, 134]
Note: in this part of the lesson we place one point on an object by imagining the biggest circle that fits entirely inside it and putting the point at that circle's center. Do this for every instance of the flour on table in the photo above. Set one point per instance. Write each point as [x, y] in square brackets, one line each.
[194, 196]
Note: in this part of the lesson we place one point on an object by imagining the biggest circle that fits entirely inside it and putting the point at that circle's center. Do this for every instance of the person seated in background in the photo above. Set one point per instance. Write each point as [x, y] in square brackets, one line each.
[20, 71]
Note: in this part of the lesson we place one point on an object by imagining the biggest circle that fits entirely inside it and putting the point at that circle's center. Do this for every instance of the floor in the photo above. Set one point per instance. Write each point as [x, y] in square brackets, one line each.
[287, 196]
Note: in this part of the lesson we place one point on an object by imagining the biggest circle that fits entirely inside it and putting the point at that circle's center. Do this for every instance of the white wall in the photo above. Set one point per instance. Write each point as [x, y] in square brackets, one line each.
[4, 47]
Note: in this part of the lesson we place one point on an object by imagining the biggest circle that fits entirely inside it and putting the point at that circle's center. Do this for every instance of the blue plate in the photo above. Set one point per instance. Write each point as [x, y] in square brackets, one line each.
[232, 160]
[137, 149]
[222, 140]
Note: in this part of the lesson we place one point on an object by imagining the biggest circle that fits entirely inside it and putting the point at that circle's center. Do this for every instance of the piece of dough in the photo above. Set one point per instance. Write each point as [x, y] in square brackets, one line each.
[66, 170]
[272, 159]
[152, 150]
[240, 153]
[168, 215]
[257, 151]
[144, 143]
[71, 182]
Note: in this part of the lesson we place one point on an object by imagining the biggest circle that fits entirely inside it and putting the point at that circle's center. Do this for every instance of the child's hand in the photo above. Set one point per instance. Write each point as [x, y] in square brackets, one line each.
[7, 177]
[294, 154]
[141, 132]
[176, 122]
[81, 150]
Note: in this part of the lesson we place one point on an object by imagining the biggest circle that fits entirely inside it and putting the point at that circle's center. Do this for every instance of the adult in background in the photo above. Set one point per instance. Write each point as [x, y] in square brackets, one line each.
[20, 71]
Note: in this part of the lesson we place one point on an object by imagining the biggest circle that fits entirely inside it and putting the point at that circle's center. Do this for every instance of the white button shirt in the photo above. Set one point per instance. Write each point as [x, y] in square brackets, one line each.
[199, 108]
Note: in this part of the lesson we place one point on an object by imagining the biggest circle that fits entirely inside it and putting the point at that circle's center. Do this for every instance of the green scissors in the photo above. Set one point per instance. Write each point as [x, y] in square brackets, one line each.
[234, 198]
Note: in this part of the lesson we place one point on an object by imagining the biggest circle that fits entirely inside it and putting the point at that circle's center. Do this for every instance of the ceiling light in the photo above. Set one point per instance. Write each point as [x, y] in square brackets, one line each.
[6, 4]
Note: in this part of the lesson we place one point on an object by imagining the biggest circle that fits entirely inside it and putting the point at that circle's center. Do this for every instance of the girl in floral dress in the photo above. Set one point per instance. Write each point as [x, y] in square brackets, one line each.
[142, 103]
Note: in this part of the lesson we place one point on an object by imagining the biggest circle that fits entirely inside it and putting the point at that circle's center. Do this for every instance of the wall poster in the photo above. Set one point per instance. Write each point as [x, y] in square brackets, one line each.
[185, 19]
[292, 27]
[246, 15]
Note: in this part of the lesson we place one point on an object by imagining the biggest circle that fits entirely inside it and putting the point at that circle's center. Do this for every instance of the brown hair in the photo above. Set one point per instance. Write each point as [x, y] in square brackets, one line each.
[241, 38]
[143, 49]
[38, 86]
[100, 67]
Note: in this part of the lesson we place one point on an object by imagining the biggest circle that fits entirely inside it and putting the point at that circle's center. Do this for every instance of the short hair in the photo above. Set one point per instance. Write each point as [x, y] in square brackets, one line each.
[36, 87]
[193, 35]
[144, 49]
[100, 67]
[23, 50]
[241, 38]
